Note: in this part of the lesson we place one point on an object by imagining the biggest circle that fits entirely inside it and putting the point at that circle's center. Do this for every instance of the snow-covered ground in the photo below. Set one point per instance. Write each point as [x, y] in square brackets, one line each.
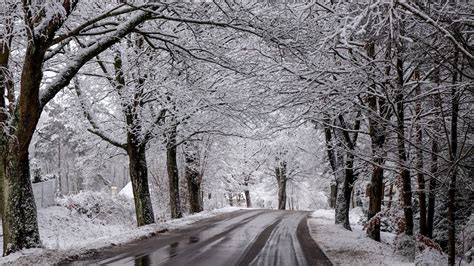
[344, 247]
[82, 224]
[72, 230]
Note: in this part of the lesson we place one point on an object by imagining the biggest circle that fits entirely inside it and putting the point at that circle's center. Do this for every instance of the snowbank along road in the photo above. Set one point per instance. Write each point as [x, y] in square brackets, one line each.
[250, 237]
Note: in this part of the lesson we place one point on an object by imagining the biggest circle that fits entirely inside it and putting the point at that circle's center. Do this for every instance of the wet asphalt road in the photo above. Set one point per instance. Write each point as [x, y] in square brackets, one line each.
[250, 237]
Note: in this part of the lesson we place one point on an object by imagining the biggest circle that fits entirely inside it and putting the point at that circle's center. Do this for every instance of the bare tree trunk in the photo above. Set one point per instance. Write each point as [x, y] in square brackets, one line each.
[247, 198]
[247, 192]
[139, 178]
[375, 187]
[280, 174]
[20, 226]
[136, 150]
[19, 203]
[333, 195]
[332, 162]
[406, 192]
[193, 177]
[375, 201]
[377, 132]
[173, 178]
[194, 190]
[344, 200]
[343, 203]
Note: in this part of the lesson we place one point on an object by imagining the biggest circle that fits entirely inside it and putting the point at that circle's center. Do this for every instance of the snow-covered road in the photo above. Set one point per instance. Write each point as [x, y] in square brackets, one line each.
[251, 237]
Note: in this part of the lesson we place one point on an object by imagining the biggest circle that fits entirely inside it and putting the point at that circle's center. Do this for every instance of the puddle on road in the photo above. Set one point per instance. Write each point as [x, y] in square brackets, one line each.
[158, 256]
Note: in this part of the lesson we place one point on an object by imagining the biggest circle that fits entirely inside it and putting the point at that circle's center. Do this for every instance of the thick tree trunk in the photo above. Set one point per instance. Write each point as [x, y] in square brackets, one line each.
[139, 178]
[375, 201]
[173, 178]
[248, 202]
[344, 195]
[20, 226]
[406, 198]
[195, 199]
[405, 177]
[342, 205]
[282, 195]
[406, 187]
[194, 190]
[375, 188]
[247, 198]
[280, 174]
[193, 178]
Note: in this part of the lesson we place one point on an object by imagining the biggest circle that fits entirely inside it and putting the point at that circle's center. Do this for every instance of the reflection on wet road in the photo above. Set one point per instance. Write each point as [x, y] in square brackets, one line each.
[255, 237]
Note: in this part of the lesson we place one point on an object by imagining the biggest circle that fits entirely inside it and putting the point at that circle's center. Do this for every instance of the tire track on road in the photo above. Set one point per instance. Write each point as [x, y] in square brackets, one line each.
[312, 252]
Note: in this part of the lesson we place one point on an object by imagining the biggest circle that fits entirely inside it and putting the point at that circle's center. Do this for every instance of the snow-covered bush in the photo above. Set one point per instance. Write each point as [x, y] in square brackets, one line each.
[423, 242]
[430, 256]
[405, 246]
[100, 205]
[428, 251]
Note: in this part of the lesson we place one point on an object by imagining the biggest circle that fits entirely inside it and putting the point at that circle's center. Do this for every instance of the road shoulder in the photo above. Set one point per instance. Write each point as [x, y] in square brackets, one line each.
[313, 253]
[345, 247]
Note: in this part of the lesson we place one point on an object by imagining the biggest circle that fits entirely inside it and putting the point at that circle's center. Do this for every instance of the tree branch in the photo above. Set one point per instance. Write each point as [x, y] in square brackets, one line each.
[95, 125]
[72, 67]
[421, 14]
